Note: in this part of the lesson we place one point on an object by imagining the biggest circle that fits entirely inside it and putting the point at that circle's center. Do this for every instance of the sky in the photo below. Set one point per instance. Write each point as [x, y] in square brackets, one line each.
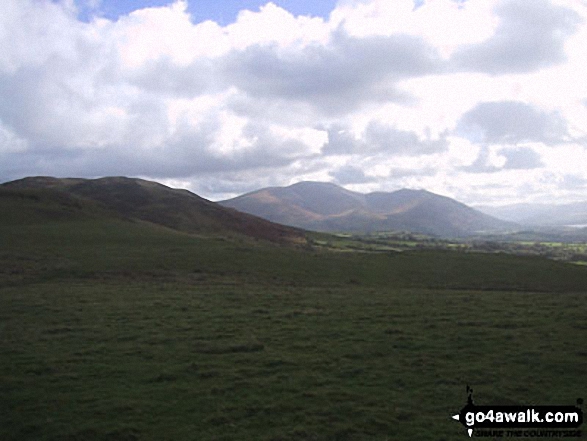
[223, 12]
[482, 101]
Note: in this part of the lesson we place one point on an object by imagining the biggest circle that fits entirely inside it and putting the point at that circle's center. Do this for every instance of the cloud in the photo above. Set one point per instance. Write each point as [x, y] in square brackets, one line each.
[166, 78]
[341, 141]
[388, 139]
[334, 78]
[377, 96]
[531, 35]
[510, 158]
[52, 109]
[350, 175]
[511, 122]
[522, 158]
[10, 142]
[190, 151]
[573, 182]
[380, 138]
[485, 163]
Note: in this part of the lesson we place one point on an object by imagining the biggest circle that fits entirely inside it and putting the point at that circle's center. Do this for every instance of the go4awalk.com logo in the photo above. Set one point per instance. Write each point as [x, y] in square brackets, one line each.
[520, 421]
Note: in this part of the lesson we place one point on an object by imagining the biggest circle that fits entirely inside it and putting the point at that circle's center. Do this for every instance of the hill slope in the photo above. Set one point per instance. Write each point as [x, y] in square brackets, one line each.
[133, 199]
[328, 207]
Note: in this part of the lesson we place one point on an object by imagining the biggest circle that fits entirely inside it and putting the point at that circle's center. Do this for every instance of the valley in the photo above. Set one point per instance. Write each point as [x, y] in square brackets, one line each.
[561, 248]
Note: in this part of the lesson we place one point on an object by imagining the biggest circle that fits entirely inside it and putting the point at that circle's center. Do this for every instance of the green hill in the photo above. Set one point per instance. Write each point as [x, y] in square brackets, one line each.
[137, 199]
[121, 225]
[118, 322]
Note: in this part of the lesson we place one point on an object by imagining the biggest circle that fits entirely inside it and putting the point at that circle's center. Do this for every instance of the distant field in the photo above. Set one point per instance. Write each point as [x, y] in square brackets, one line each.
[568, 251]
[113, 330]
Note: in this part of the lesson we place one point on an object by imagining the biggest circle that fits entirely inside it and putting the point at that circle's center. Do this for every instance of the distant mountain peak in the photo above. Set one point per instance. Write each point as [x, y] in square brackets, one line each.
[325, 206]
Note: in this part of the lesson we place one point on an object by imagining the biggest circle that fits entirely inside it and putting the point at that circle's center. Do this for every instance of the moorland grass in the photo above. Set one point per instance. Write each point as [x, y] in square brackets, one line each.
[114, 330]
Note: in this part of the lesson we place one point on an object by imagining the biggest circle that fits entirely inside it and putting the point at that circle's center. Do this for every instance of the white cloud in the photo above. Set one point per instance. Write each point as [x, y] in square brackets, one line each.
[444, 24]
[530, 35]
[478, 100]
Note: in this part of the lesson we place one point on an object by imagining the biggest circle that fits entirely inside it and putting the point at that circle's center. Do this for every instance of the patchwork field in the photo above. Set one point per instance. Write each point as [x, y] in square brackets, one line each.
[115, 330]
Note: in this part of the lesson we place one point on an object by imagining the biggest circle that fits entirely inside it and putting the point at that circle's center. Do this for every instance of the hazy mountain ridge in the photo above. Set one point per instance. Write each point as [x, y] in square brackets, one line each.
[541, 214]
[138, 199]
[327, 207]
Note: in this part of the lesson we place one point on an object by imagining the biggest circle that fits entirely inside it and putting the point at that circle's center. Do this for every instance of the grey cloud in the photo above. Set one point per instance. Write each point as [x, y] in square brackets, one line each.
[171, 161]
[24, 102]
[388, 139]
[263, 140]
[510, 122]
[341, 141]
[189, 152]
[523, 158]
[481, 164]
[70, 130]
[517, 158]
[335, 78]
[381, 138]
[573, 182]
[164, 77]
[530, 36]
[350, 175]
[266, 109]
[397, 173]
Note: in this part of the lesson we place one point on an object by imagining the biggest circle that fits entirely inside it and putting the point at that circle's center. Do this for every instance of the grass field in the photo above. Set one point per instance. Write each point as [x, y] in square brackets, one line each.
[574, 252]
[112, 330]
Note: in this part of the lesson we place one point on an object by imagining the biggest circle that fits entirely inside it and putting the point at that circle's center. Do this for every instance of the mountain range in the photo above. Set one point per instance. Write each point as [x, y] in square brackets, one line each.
[327, 207]
[276, 214]
[553, 215]
[37, 199]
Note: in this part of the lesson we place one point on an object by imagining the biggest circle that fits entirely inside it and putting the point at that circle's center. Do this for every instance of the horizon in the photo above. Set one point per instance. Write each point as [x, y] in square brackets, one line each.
[484, 103]
[472, 204]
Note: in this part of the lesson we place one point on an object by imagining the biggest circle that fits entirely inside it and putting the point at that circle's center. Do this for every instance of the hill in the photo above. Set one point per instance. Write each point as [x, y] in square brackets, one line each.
[117, 328]
[327, 207]
[133, 199]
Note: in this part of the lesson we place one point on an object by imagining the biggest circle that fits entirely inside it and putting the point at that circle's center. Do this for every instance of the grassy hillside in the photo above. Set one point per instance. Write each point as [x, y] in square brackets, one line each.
[137, 199]
[118, 248]
[120, 330]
